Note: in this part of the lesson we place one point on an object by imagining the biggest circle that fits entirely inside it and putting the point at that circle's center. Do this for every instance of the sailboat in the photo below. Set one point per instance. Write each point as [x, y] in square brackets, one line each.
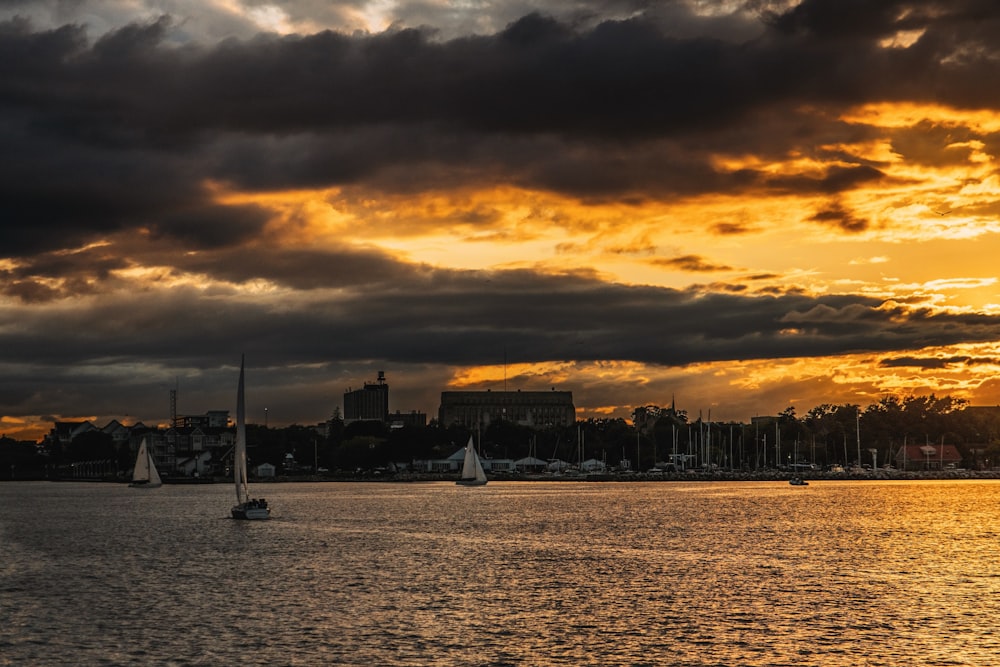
[796, 480]
[144, 475]
[245, 507]
[472, 468]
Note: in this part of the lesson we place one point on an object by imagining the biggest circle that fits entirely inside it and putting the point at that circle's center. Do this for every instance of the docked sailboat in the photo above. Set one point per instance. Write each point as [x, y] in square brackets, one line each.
[472, 468]
[144, 475]
[245, 507]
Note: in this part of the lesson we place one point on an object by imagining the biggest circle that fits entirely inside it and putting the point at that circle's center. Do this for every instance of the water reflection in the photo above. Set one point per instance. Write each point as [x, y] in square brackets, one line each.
[840, 573]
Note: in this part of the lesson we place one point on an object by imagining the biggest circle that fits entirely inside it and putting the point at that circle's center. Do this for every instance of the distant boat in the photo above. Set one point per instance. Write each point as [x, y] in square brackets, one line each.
[144, 475]
[245, 507]
[472, 468]
[796, 480]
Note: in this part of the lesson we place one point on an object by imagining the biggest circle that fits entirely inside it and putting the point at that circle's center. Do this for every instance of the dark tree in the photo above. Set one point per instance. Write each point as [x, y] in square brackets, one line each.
[92, 446]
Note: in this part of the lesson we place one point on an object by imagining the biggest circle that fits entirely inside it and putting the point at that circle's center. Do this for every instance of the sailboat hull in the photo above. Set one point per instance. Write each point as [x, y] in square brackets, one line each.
[248, 513]
[471, 482]
[145, 484]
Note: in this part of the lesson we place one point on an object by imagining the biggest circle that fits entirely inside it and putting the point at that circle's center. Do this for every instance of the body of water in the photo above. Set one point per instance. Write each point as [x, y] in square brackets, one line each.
[514, 573]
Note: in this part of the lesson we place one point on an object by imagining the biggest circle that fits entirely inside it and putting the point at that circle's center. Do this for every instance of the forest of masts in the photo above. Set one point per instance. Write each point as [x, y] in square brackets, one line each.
[827, 435]
[846, 435]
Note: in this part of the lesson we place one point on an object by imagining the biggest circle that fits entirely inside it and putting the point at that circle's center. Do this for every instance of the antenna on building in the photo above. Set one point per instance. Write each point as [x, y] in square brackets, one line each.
[503, 410]
[173, 403]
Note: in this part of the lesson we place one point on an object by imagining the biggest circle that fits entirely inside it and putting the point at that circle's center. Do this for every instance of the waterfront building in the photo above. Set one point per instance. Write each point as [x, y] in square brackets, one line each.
[927, 457]
[198, 465]
[538, 409]
[211, 419]
[530, 464]
[370, 403]
[174, 447]
[119, 432]
[63, 432]
[404, 419]
[453, 464]
[267, 470]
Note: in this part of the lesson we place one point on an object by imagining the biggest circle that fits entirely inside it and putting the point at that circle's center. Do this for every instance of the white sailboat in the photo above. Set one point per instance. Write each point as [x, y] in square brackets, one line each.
[472, 468]
[144, 475]
[245, 507]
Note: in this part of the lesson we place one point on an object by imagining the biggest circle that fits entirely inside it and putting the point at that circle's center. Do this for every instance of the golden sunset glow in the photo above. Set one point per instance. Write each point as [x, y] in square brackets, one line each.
[418, 188]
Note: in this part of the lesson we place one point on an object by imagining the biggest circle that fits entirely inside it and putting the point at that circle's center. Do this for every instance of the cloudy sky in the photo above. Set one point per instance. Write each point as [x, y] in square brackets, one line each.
[746, 205]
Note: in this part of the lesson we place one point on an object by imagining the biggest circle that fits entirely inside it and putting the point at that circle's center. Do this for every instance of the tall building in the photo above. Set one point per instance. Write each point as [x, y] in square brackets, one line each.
[211, 419]
[370, 403]
[527, 408]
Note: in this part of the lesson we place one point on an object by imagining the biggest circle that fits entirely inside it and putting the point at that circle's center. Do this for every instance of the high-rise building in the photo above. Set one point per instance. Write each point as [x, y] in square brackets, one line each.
[527, 408]
[370, 403]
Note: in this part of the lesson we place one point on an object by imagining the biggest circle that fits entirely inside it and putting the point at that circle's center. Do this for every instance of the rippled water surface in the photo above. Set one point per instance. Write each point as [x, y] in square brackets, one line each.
[516, 573]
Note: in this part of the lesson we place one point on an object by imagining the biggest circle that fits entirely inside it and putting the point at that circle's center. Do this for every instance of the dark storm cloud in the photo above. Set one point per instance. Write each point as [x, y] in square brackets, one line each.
[109, 134]
[933, 363]
[836, 179]
[122, 137]
[366, 307]
[207, 226]
[462, 317]
[52, 276]
[307, 269]
[847, 18]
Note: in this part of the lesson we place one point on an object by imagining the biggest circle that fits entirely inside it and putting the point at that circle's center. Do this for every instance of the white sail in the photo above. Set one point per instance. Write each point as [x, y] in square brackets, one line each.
[469, 465]
[240, 452]
[246, 507]
[141, 471]
[472, 468]
[154, 475]
[144, 474]
[480, 473]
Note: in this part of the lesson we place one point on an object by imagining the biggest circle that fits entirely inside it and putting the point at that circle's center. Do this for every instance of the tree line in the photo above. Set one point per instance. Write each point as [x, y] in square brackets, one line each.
[827, 434]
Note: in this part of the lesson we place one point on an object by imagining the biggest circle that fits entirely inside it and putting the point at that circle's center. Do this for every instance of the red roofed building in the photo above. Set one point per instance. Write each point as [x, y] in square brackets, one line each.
[927, 457]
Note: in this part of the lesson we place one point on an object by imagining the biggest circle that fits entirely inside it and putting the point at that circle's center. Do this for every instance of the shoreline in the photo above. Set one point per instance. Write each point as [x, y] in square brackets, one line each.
[715, 476]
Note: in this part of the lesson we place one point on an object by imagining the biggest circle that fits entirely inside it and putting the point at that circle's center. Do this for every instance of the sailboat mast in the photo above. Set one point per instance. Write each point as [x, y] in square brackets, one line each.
[240, 455]
[857, 425]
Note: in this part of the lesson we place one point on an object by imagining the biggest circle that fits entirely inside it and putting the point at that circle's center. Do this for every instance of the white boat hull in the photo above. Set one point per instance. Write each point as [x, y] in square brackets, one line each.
[250, 513]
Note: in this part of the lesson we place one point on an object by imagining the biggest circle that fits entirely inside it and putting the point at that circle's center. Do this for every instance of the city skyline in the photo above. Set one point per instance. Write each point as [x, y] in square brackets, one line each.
[746, 205]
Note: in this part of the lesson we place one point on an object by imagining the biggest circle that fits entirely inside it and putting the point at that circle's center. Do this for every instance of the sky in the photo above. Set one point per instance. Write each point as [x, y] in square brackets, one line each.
[740, 206]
